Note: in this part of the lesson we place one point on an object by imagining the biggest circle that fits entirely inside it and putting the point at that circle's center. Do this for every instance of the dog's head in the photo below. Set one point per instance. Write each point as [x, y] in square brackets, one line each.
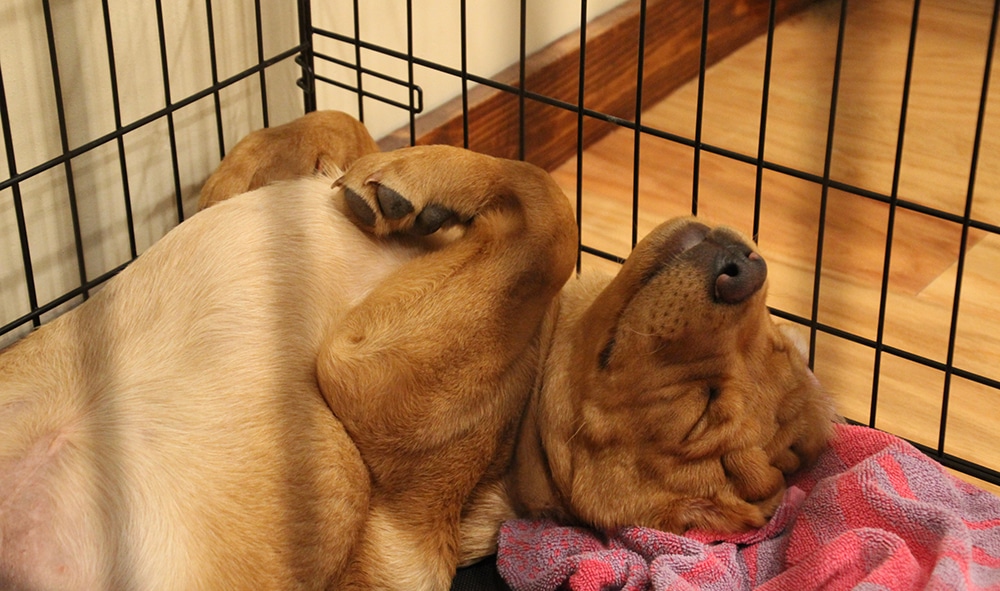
[672, 400]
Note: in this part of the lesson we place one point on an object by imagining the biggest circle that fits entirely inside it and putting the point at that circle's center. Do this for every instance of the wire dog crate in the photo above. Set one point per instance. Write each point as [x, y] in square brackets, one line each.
[854, 141]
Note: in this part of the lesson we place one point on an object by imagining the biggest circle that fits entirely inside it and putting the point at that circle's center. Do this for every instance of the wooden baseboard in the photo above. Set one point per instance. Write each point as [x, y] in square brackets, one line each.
[672, 56]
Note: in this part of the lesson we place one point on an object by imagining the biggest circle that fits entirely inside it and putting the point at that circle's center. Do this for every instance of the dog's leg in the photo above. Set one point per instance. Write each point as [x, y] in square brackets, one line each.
[429, 373]
[322, 142]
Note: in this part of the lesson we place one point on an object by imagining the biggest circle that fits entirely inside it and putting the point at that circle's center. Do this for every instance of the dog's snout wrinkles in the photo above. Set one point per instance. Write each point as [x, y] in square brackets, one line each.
[739, 273]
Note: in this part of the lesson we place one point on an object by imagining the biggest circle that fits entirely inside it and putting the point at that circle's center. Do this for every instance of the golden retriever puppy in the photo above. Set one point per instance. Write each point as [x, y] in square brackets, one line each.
[308, 387]
[664, 397]
[288, 391]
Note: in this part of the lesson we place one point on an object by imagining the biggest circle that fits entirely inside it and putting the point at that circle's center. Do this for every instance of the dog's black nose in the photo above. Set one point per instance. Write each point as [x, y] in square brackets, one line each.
[739, 273]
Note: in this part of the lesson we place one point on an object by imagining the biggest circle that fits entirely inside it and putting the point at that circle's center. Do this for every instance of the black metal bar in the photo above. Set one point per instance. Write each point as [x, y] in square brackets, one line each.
[258, 28]
[409, 71]
[305, 58]
[891, 221]
[825, 182]
[171, 130]
[64, 144]
[637, 137]
[522, 58]
[765, 93]
[963, 244]
[463, 23]
[602, 254]
[700, 106]
[22, 226]
[412, 88]
[120, 140]
[366, 94]
[580, 103]
[357, 59]
[64, 159]
[213, 60]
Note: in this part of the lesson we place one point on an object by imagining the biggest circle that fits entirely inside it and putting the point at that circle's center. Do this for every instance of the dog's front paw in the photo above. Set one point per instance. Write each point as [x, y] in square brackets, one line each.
[751, 474]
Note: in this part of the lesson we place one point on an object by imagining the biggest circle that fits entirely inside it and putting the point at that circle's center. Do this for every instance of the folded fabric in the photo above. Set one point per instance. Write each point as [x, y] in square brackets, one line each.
[873, 513]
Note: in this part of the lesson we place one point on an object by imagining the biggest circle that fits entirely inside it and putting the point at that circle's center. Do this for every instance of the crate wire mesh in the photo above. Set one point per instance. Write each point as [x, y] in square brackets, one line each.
[111, 115]
[108, 136]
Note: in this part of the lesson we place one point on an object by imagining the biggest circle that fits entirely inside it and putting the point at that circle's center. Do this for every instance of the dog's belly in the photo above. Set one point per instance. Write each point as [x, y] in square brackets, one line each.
[169, 433]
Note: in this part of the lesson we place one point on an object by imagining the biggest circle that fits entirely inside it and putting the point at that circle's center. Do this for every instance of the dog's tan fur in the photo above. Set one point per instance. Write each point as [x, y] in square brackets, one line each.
[290, 391]
[284, 152]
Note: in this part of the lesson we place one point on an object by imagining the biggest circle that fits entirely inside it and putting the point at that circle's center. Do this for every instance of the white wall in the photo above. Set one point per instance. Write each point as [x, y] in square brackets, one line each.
[493, 43]
[87, 99]
[493, 38]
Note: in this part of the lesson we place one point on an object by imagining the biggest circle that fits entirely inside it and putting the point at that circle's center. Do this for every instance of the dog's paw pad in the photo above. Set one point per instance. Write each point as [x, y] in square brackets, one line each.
[359, 207]
[393, 205]
[431, 219]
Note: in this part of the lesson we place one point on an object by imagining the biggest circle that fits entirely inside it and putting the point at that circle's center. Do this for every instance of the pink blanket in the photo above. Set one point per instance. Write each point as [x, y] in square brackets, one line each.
[873, 513]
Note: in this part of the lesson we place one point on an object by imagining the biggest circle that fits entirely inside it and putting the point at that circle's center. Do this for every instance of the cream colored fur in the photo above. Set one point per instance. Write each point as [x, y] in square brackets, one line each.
[174, 421]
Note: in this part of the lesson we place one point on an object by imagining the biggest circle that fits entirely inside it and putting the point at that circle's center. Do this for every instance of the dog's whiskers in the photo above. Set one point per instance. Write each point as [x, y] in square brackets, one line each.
[638, 332]
[647, 335]
[578, 429]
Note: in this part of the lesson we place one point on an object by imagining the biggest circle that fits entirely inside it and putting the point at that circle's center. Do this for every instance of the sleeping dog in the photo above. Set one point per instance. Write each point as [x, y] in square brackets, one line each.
[349, 381]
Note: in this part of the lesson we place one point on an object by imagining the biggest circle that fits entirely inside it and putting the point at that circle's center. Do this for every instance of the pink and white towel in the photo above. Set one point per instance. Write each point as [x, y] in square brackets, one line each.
[873, 513]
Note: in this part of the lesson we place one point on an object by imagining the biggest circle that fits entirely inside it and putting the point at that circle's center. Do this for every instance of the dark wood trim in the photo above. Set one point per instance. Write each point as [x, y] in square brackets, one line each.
[672, 55]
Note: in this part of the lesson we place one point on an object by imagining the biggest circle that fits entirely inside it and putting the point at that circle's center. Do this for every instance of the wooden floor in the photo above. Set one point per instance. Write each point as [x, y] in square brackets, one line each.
[934, 171]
